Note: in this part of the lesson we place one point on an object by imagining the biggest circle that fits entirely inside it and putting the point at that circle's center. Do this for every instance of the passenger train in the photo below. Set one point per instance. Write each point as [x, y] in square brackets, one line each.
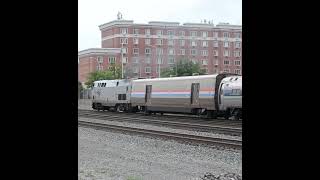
[217, 95]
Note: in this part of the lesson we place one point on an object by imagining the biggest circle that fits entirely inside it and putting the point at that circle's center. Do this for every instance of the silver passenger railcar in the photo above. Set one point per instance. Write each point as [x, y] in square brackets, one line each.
[190, 94]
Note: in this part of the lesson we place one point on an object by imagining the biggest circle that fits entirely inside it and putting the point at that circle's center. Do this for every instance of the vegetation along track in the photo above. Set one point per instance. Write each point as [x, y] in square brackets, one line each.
[222, 128]
[236, 144]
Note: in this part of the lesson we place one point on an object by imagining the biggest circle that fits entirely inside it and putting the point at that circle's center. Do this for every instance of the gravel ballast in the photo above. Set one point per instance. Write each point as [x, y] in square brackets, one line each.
[109, 155]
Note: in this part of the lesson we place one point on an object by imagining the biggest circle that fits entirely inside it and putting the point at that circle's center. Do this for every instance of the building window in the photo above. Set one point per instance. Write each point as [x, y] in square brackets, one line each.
[170, 42]
[204, 52]
[148, 50]
[148, 60]
[215, 43]
[193, 52]
[159, 32]
[193, 33]
[135, 40]
[226, 53]
[204, 62]
[124, 50]
[205, 34]
[100, 59]
[110, 68]
[204, 43]
[181, 33]
[237, 71]
[226, 70]
[135, 60]
[193, 43]
[205, 70]
[171, 60]
[159, 41]
[215, 53]
[159, 51]
[225, 34]
[182, 42]
[159, 60]
[215, 34]
[135, 50]
[147, 41]
[171, 51]
[237, 53]
[124, 30]
[237, 35]
[123, 40]
[182, 51]
[226, 62]
[170, 33]
[216, 62]
[226, 44]
[148, 69]
[194, 61]
[125, 60]
[238, 44]
[112, 60]
[237, 62]
[147, 31]
[99, 67]
[135, 31]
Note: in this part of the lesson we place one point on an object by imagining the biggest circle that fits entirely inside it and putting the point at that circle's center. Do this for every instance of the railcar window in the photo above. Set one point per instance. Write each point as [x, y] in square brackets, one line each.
[122, 96]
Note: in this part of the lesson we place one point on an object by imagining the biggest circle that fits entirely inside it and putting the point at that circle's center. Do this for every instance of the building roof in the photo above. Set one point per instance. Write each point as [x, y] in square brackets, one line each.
[98, 51]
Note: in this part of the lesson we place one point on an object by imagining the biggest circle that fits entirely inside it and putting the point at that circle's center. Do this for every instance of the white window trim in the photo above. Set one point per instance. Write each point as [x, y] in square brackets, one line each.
[134, 52]
[145, 69]
[226, 42]
[193, 50]
[182, 44]
[149, 31]
[121, 30]
[203, 34]
[205, 43]
[161, 40]
[182, 50]
[237, 61]
[125, 40]
[192, 32]
[110, 58]
[235, 71]
[169, 60]
[135, 40]
[224, 70]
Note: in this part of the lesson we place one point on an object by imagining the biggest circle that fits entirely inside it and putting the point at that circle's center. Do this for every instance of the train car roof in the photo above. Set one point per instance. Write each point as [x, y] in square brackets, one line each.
[177, 78]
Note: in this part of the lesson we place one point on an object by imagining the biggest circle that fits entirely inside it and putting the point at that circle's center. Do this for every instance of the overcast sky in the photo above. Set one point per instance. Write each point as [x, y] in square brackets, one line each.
[93, 13]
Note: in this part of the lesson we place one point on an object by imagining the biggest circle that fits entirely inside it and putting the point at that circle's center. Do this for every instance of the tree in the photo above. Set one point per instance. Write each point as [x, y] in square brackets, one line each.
[184, 67]
[80, 88]
[114, 72]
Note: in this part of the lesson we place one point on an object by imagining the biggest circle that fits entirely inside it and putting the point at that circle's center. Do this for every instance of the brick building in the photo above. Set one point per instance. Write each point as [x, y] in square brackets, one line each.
[157, 45]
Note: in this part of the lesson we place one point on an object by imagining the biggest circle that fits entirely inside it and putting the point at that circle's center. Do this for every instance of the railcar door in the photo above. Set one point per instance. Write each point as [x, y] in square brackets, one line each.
[195, 93]
[221, 97]
[148, 94]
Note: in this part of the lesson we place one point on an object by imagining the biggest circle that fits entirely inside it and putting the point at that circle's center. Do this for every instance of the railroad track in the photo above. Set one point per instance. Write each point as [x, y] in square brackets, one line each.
[216, 128]
[230, 143]
[175, 117]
